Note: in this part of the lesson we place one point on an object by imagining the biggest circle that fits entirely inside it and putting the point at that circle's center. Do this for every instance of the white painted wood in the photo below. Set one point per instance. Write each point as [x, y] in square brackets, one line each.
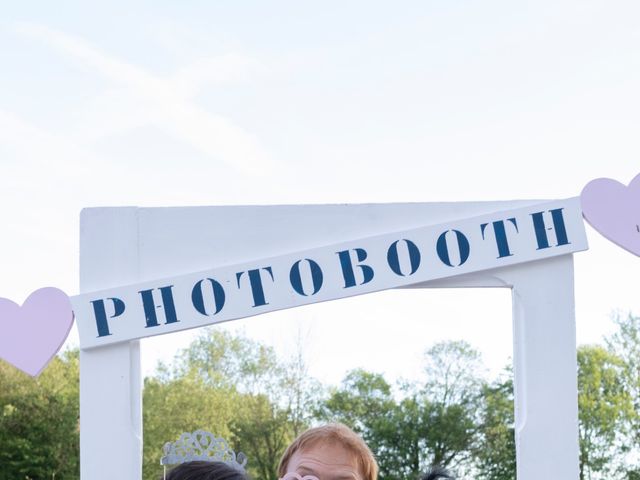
[544, 361]
[181, 240]
[545, 369]
[110, 378]
[134, 319]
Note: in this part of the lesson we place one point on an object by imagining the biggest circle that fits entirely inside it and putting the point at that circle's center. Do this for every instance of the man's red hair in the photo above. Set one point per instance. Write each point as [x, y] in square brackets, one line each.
[333, 433]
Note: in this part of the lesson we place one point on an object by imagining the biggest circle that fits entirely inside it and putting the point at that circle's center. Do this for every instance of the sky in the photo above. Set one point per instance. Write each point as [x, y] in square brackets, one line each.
[240, 103]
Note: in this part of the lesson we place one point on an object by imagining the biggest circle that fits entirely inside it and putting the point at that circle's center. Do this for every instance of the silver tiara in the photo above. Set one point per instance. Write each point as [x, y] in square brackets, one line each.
[204, 446]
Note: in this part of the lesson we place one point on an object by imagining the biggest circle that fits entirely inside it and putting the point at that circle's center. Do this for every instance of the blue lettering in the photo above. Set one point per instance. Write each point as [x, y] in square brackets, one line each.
[296, 278]
[501, 236]
[394, 261]
[255, 280]
[347, 267]
[197, 296]
[541, 229]
[443, 249]
[150, 307]
[100, 313]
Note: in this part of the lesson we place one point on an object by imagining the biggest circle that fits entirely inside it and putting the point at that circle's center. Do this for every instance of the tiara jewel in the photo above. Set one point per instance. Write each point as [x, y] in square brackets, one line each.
[204, 446]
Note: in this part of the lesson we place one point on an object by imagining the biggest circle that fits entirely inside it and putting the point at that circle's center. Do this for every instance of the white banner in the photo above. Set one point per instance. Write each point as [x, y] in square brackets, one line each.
[353, 267]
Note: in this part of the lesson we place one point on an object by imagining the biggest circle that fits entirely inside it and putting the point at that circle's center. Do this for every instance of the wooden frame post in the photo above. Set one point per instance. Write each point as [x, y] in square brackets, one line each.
[125, 245]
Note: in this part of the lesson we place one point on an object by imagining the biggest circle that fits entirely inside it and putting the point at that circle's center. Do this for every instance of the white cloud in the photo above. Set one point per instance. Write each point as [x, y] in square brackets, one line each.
[142, 98]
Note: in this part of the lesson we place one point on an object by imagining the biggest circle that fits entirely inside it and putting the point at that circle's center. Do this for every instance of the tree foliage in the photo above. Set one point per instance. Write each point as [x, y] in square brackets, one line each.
[603, 405]
[176, 405]
[239, 389]
[234, 387]
[496, 451]
[430, 423]
[453, 389]
[625, 344]
[364, 402]
[263, 429]
[39, 434]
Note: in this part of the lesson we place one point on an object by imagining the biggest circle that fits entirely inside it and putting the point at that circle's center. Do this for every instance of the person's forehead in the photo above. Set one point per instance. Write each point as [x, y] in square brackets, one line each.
[325, 460]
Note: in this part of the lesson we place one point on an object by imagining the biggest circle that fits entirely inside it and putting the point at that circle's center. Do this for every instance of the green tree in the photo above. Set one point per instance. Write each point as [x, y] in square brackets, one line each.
[496, 452]
[603, 406]
[454, 372]
[39, 434]
[625, 344]
[222, 359]
[299, 394]
[434, 423]
[453, 391]
[172, 406]
[365, 403]
[400, 442]
[278, 407]
[234, 387]
[363, 399]
[264, 430]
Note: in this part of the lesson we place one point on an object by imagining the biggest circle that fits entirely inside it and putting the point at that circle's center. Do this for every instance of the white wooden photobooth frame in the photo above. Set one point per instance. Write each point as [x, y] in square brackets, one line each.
[123, 245]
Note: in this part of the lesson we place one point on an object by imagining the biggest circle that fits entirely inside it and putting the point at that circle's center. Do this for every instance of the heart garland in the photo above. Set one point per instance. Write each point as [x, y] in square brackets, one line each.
[613, 209]
[31, 334]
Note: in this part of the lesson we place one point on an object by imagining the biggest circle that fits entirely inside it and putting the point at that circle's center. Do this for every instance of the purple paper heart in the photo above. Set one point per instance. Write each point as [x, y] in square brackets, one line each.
[614, 211]
[31, 335]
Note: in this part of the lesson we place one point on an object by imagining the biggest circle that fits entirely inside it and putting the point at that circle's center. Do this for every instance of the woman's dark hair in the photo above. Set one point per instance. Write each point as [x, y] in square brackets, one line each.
[205, 471]
[437, 473]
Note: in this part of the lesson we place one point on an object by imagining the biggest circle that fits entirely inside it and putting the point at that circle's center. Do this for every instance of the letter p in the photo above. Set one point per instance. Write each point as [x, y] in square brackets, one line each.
[100, 314]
